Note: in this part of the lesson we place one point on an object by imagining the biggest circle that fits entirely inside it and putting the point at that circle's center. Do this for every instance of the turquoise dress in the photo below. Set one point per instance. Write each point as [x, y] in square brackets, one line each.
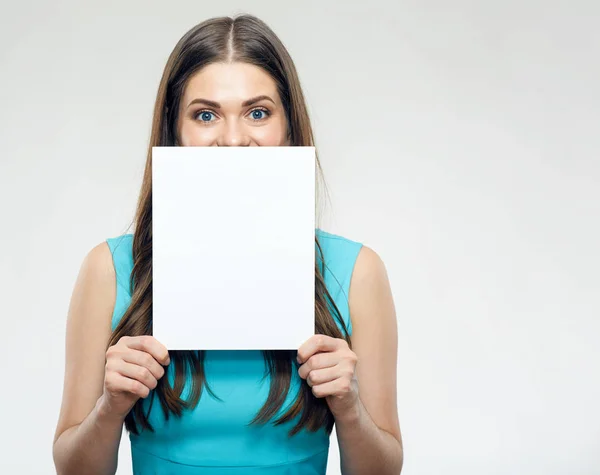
[214, 438]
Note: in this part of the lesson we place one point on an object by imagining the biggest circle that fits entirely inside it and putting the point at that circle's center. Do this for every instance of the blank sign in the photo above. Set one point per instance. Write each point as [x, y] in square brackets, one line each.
[233, 232]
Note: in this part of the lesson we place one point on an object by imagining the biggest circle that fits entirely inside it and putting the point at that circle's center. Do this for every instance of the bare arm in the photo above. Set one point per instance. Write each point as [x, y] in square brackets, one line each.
[87, 438]
[101, 386]
[369, 437]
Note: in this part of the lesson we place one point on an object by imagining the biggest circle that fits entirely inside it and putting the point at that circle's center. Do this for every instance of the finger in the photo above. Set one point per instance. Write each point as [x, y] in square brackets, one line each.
[317, 343]
[151, 345]
[141, 358]
[322, 376]
[133, 371]
[318, 361]
[121, 383]
[337, 387]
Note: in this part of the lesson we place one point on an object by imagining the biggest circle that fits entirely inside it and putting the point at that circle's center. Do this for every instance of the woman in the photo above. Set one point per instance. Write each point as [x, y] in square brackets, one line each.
[228, 82]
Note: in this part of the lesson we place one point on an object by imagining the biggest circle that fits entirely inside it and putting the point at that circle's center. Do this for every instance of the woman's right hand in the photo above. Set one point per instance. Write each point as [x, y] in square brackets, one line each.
[133, 367]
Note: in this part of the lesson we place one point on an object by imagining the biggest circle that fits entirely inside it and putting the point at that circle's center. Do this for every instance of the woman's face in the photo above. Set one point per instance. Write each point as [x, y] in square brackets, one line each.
[215, 108]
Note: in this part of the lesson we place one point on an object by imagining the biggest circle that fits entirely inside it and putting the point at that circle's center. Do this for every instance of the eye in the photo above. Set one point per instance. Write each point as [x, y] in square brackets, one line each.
[259, 114]
[256, 115]
[204, 115]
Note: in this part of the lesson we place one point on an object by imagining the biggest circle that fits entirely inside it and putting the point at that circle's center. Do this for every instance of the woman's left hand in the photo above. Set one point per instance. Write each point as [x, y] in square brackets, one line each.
[327, 365]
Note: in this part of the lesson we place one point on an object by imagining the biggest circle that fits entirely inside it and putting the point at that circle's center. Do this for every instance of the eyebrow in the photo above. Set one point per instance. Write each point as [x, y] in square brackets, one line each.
[216, 105]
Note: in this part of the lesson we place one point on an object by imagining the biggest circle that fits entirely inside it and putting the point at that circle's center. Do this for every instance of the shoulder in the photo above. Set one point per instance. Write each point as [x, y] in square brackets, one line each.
[97, 264]
[95, 285]
[369, 267]
[370, 295]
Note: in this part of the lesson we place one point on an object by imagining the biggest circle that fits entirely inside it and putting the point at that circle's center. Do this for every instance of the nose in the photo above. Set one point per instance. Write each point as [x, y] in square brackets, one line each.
[233, 135]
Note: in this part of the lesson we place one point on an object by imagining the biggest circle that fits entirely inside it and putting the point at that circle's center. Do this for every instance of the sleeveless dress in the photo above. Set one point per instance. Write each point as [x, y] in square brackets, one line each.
[215, 437]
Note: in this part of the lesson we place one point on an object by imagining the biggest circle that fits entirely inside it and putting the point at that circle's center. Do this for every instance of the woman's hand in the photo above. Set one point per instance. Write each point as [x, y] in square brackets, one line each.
[133, 368]
[328, 366]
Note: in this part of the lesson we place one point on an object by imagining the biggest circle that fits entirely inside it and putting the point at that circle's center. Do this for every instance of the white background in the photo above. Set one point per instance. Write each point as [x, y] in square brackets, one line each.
[459, 140]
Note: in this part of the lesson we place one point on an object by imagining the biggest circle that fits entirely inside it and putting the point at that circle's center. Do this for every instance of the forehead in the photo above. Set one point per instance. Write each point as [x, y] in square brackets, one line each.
[229, 83]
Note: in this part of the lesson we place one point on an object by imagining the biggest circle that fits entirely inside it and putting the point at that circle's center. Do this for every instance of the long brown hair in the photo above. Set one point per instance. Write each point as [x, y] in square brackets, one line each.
[224, 39]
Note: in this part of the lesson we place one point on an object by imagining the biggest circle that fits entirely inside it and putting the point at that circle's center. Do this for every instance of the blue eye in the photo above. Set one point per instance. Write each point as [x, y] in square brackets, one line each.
[257, 115]
[258, 112]
[205, 116]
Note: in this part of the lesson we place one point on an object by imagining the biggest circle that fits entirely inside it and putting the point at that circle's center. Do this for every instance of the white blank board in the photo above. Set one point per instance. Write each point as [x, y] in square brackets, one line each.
[233, 232]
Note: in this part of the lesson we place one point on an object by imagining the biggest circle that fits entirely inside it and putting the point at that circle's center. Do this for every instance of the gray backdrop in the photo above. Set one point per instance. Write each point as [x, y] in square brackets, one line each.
[459, 140]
